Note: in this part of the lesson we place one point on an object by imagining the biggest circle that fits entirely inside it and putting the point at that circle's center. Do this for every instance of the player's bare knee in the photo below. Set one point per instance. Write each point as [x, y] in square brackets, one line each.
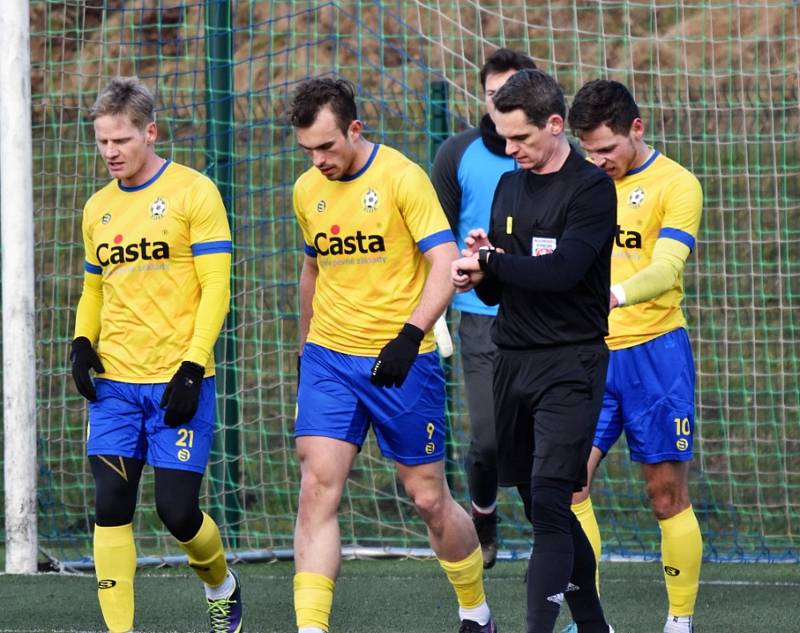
[431, 504]
[318, 495]
[666, 499]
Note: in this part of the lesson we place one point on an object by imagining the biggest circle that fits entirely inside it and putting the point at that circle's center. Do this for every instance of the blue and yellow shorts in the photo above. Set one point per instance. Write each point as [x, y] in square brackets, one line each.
[650, 394]
[336, 399]
[126, 420]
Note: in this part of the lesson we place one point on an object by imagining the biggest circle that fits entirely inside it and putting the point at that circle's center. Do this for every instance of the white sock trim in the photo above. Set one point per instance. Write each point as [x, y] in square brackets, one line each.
[224, 590]
[479, 614]
[678, 624]
[486, 510]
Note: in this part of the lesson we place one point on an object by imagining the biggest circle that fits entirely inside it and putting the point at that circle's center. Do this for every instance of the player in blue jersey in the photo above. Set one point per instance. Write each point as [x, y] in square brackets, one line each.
[156, 289]
[465, 174]
[374, 280]
[649, 391]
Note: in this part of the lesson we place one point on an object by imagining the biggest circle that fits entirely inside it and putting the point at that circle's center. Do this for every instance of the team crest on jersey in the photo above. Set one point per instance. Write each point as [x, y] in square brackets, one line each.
[636, 198]
[321, 206]
[370, 201]
[158, 208]
[106, 218]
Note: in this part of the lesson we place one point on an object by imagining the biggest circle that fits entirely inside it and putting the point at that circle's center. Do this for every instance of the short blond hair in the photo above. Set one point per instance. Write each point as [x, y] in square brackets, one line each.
[125, 95]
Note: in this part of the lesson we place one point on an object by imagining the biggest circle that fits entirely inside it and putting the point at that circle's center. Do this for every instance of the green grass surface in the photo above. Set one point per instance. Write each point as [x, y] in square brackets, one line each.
[399, 596]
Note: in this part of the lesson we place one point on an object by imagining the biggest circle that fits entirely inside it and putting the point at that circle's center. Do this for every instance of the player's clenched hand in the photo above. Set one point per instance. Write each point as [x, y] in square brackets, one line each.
[182, 394]
[465, 273]
[396, 357]
[83, 359]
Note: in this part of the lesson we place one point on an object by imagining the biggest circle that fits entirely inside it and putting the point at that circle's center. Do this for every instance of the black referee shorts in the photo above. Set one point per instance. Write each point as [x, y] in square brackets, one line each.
[547, 402]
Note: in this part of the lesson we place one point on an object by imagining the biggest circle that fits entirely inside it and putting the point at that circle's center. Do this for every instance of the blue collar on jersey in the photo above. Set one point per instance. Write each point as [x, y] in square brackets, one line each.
[644, 165]
[144, 185]
[364, 168]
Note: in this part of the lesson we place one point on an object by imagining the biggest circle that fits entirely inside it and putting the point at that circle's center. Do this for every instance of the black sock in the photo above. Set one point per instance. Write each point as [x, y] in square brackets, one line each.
[548, 575]
[551, 563]
[584, 602]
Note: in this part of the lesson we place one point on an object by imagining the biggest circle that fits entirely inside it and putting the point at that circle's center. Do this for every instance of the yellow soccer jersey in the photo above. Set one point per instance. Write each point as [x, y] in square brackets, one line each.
[368, 233]
[143, 240]
[659, 199]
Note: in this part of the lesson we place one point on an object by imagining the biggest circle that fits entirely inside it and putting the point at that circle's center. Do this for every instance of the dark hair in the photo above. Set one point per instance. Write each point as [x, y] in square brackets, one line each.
[534, 92]
[312, 95]
[125, 95]
[601, 102]
[503, 60]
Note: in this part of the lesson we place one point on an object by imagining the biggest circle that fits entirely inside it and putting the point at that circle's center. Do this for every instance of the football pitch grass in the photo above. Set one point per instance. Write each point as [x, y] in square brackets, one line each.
[406, 596]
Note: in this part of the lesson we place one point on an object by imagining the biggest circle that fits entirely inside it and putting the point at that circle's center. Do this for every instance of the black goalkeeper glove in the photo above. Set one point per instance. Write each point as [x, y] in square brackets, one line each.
[182, 394]
[396, 357]
[83, 359]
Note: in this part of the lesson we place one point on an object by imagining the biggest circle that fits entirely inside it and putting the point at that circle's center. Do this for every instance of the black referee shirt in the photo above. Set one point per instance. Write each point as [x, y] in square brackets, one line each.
[557, 231]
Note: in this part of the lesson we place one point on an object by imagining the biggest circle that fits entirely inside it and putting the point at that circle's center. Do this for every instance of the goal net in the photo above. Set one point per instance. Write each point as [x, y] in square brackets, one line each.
[718, 85]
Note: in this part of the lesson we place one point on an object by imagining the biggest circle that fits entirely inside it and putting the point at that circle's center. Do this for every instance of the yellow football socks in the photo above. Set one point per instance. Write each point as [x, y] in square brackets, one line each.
[206, 555]
[115, 566]
[585, 513]
[682, 555]
[313, 599]
[466, 576]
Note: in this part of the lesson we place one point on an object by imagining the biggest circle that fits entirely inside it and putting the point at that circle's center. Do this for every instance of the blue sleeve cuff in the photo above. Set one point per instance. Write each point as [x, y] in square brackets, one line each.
[442, 237]
[91, 268]
[309, 250]
[676, 234]
[206, 248]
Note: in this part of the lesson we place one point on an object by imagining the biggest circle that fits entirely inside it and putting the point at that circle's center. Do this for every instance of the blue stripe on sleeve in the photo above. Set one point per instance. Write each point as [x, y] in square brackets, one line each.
[427, 243]
[206, 248]
[91, 268]
[676, 234]
[309, 250]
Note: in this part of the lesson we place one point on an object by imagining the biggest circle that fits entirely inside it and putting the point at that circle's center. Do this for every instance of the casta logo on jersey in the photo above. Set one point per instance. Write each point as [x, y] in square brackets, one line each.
[628, 239]
[119, 253]
[334, 244]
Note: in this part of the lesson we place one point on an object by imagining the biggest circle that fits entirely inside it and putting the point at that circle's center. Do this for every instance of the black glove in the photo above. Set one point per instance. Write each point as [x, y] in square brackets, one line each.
[396, 357]
[83, 359]
[182, 393]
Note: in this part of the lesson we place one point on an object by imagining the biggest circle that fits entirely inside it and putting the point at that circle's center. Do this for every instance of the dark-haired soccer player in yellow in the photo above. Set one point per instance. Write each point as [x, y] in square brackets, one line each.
[650, 382]
[374, 280]
[155, 294]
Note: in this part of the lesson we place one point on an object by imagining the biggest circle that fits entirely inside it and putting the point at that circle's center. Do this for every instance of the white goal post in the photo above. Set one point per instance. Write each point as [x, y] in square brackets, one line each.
[19, 359]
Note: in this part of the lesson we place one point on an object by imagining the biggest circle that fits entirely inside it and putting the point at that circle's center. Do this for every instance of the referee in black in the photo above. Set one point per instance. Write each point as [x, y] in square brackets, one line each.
[546, 262]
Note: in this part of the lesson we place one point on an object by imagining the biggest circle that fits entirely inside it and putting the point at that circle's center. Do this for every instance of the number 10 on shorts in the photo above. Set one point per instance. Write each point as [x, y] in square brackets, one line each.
[682, 430]
[682, 427]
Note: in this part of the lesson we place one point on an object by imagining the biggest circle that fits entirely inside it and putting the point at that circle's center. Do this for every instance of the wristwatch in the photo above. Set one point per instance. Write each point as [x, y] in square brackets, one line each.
[483, 256]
